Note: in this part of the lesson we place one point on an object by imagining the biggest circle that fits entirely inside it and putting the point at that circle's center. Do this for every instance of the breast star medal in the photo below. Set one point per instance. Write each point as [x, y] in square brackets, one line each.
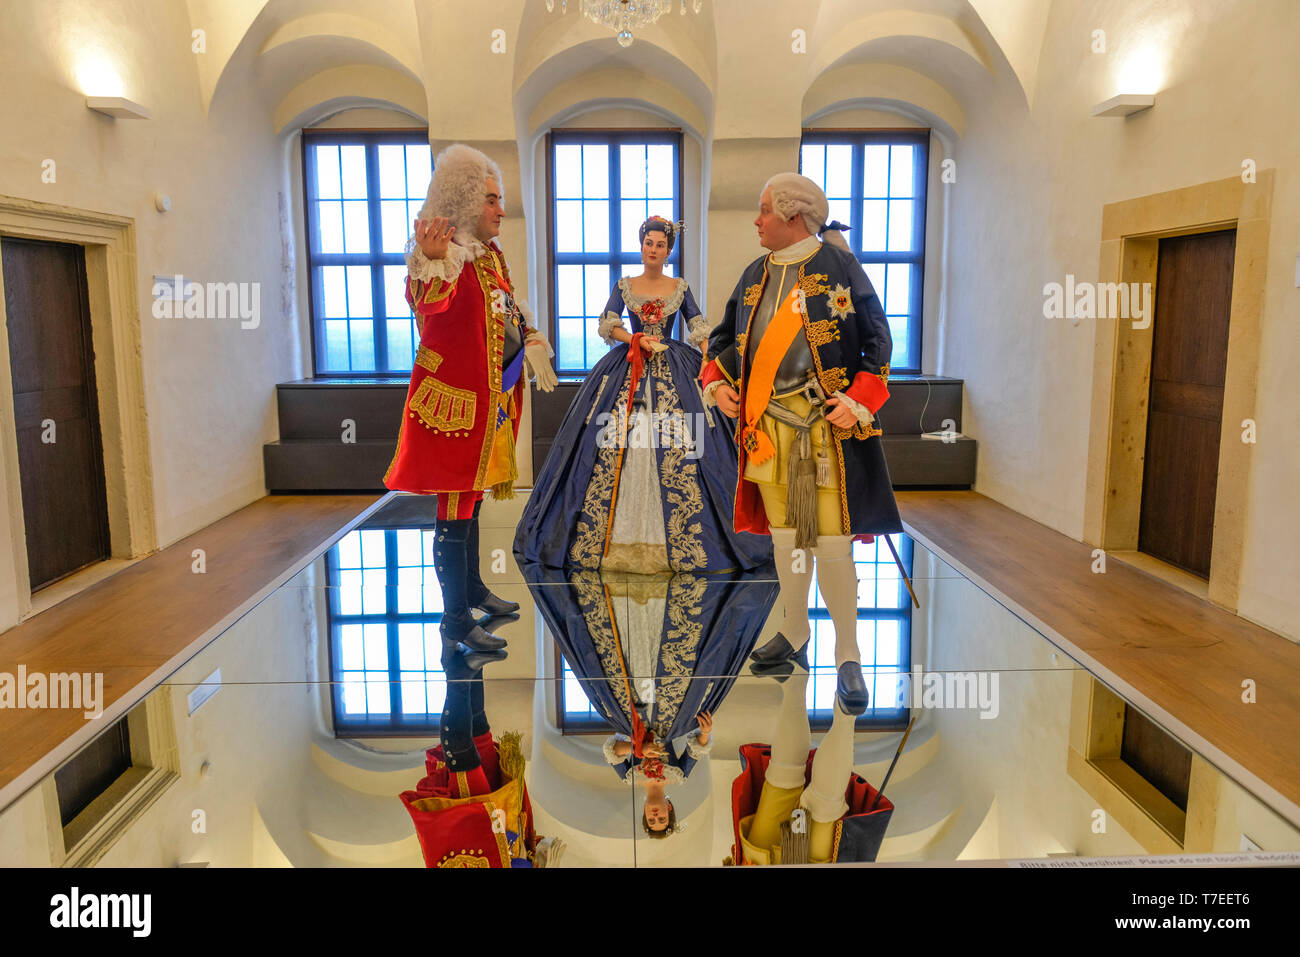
[840, 301]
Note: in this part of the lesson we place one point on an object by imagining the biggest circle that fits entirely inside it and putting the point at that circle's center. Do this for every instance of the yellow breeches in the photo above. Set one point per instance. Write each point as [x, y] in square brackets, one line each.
[760, 834]
[771, 475]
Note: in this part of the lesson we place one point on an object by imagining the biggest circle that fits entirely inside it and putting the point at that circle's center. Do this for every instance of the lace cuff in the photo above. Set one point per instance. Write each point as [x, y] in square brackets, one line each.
[697, 750]
[426, 270]
[709, 390]
[608, 324]
[697, 331]
[612, 740]
[863, 414]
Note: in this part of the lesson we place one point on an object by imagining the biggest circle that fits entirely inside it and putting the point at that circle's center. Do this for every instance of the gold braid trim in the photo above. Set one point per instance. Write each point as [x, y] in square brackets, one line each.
[494, 333]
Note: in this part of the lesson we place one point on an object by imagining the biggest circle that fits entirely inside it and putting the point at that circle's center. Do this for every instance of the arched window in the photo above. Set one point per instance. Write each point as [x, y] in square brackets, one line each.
[603, 184]
[876, 183]
[363, 190]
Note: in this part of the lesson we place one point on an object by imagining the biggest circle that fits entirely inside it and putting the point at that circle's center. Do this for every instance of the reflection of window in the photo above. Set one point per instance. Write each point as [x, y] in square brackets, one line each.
[363, 192]
[576, 713]
[103, 790]
[603, 186]
[89, 774]
[875, 182]
[385, 650]
[884, 637]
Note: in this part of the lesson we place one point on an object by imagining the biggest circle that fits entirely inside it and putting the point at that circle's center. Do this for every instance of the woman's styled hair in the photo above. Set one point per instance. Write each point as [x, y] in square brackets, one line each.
[670, 829]
[456, 190]
[659, 224]
[796, 195]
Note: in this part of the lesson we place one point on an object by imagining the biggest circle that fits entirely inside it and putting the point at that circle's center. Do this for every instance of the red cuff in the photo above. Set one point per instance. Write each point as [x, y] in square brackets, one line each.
[869, 390]
[710, 374]
[416, 292]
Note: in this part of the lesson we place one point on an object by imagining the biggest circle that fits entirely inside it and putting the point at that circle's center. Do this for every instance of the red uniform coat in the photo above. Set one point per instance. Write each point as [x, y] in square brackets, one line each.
[858, 833]
[851, 345]
[480, 819]
[449, 439]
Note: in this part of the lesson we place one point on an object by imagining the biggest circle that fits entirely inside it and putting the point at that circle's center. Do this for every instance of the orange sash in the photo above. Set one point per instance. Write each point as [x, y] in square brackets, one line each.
[780, 332]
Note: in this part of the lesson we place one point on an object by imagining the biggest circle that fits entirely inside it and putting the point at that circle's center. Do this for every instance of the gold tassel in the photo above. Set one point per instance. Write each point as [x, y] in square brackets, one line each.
[801, 494]
[503, 490]
[510, 755]
[794, 845]
[824, 460]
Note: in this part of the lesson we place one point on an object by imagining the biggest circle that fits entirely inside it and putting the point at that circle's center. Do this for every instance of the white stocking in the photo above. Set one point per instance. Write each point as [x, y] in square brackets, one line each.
[832, 765]
[792, 737]
[837, 578]
[794, 585]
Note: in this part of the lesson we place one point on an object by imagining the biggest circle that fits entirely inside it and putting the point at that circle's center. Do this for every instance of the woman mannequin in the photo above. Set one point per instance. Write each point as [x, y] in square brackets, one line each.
[641, 476]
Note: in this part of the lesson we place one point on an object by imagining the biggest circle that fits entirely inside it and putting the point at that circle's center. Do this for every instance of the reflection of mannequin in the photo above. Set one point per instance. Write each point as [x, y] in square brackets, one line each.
[665, 650]
[783, 789]
[472, 810]
[801, 810]
[638, 619]
[654, 642]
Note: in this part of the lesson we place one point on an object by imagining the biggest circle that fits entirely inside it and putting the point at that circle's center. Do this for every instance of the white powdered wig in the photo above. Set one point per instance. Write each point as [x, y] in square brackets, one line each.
[456, 190]
[796, 195]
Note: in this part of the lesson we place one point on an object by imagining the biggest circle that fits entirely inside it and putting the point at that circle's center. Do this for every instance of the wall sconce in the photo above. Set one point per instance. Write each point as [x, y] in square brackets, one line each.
[118, 107]
[1126, 104]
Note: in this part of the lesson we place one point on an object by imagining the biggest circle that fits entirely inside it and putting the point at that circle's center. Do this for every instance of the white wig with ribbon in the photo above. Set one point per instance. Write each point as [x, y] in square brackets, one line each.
[796, 195]
[456, 190]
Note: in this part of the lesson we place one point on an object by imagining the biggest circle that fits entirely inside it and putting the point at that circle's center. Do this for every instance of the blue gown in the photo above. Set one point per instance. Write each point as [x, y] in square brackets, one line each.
[708, 628]
[649, 493]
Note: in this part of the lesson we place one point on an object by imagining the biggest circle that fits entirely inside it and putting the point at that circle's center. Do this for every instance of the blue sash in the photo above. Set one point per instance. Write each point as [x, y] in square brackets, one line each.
[509, 378]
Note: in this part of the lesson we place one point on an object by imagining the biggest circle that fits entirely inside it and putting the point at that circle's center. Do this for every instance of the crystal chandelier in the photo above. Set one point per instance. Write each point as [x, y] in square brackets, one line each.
[622, 15]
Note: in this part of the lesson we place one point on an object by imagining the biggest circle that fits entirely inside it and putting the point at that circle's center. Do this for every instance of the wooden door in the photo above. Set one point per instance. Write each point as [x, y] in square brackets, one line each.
[1189, 357]
[56, 408]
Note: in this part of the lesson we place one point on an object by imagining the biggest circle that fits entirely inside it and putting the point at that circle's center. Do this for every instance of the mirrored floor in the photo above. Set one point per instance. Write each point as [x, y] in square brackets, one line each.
[624, 724]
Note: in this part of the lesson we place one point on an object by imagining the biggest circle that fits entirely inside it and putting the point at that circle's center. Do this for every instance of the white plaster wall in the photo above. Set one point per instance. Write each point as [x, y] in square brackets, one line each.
[1026, 210]
[208, 383]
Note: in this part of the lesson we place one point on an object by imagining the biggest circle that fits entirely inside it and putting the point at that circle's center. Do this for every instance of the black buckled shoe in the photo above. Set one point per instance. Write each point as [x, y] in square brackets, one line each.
[783, 669]
[476, 639]
[475, 660]
[775, 651]
[491, 623]
[494, 607]
[851, 688]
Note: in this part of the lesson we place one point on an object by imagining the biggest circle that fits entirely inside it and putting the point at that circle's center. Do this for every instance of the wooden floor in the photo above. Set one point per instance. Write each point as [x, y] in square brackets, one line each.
[142, 623]
[1176, 657]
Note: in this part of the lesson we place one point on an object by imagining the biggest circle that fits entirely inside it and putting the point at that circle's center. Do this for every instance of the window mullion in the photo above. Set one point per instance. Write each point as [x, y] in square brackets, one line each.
[615, 181]
[856, 194]
[390, 621]
[375, 209]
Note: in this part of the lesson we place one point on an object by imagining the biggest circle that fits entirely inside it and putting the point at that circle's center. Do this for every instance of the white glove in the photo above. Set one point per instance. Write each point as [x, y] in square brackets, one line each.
[537, 353]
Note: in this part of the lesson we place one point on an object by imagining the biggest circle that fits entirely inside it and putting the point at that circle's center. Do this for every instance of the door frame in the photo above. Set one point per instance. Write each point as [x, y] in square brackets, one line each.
[111, 286]
[1131, 234]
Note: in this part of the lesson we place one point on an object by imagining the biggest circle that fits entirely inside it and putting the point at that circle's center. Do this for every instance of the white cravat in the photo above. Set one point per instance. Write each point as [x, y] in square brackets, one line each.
[793, 253]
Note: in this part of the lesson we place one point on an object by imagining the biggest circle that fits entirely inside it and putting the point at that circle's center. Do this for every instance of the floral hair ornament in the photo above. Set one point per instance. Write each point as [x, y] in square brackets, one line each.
[670, 229]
